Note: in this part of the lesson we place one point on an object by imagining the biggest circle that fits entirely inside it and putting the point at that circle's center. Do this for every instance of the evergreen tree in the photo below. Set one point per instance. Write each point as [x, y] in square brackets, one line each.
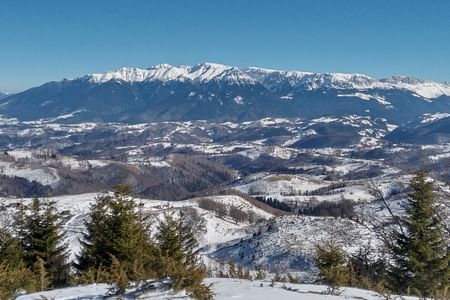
[366, 270]
[14, 279]
[260, 274]
[97, 239]
[420, 250]
[41, 237]
[116, 232]
[13, 273]
[232, 272]
[331, 261]
[179, 261]
[11, 253]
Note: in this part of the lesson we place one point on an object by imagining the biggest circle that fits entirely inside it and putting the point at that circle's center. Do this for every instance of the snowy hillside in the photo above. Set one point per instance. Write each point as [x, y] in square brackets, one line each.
[212, 230]
[223, 289]
[287, 243]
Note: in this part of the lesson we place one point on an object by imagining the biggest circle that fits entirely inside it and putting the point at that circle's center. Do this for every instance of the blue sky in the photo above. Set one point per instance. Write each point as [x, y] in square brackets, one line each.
[51, 40]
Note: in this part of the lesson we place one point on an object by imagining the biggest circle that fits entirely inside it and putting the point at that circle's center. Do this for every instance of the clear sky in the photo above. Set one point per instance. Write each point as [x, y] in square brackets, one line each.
[49, 40]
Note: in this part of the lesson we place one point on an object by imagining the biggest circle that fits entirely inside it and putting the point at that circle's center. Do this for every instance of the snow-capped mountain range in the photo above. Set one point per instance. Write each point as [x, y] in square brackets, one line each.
[271, 79]
[210, 91]
[200, 73]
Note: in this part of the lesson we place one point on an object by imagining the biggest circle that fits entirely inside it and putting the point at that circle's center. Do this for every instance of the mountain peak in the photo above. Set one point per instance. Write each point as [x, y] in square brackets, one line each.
[160, 66]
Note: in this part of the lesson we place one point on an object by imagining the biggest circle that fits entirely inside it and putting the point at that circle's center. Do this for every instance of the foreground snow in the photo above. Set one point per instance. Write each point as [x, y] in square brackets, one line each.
[223, 289]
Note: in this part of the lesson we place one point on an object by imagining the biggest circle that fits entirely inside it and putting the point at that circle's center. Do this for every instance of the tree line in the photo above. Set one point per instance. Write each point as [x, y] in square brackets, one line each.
[233, 212]
[275, 203]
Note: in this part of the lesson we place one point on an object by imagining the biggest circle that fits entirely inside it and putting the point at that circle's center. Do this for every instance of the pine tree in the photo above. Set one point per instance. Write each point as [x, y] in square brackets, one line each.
[13, 273]
[179, 261]
[232, 272]
[331, 261]
[116, 229]
[420, 251]
[11, 253]
[240, 272]
[14, 279]
[97, 239]
[41, 274]
[260, 274]
[247, 275]
[41, 237]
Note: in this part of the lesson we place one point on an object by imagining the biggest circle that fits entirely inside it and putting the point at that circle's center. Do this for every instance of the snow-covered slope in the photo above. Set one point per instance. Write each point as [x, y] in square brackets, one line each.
[260, 290]
[287, 243]
[44, 175]
[223, 288]
[314, 81]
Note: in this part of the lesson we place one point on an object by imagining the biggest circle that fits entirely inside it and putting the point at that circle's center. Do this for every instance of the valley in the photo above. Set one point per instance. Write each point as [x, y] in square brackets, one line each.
[289, 181]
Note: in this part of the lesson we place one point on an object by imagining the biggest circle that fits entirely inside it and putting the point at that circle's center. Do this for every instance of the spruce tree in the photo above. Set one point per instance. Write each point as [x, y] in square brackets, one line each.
[97, 239]
[11, 253]
[331, 262]
[420, 250]
[117, 232]
[15, 279]
[14, 276]
[41, 237]
[178, 258]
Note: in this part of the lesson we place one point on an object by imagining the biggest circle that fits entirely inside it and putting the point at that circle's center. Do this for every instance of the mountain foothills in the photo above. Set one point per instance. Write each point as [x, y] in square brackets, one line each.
[211, 91]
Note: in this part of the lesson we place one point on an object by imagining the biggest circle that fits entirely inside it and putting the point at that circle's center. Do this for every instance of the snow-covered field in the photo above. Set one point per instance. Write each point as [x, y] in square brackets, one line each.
[45, 175]
[313, 189]
[223, 288]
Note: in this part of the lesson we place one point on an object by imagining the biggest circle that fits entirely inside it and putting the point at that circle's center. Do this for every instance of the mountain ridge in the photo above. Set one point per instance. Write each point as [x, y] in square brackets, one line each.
[310, 80]
[211, 91]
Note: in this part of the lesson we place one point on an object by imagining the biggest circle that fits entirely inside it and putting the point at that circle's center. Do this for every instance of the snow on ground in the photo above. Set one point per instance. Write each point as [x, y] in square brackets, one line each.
[367, 97]
[7, 121]
[223, 288]
[44, 175]
[298, 189]
[287, 243]
[281, 184]
[278, 152]
[217, 230]
[428, 118]
[74, 163]
[439, 156]
[157, 290]
[20, 154]
[79, 292]
[241, 203]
